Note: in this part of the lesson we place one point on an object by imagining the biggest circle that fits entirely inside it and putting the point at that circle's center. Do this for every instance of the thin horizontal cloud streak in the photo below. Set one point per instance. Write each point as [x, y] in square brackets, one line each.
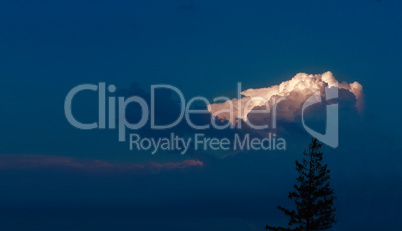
[27, 162]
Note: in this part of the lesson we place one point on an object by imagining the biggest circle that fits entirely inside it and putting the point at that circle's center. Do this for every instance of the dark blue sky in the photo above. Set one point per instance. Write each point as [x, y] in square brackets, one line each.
[203, 48]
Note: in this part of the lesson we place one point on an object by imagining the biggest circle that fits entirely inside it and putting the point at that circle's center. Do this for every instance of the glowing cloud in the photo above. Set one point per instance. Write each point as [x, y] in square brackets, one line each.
[293, 92]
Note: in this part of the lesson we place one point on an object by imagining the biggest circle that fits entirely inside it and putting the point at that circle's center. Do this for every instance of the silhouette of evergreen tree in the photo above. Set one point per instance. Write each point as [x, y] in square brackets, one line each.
[312, 194]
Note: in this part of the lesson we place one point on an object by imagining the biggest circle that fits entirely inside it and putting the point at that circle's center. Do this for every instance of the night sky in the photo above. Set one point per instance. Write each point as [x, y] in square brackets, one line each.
[54, 176]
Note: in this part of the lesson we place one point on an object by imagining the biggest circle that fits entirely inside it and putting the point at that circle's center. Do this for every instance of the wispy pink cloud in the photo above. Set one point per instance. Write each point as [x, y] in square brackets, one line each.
[15, 161]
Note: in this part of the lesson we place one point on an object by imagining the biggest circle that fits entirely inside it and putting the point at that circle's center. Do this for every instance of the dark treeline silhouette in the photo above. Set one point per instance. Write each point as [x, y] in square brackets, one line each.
[312, 194]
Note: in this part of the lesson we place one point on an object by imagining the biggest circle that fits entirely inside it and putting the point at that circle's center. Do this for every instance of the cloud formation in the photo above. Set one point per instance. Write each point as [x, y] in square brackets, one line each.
[289, 96]
[14, 162]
